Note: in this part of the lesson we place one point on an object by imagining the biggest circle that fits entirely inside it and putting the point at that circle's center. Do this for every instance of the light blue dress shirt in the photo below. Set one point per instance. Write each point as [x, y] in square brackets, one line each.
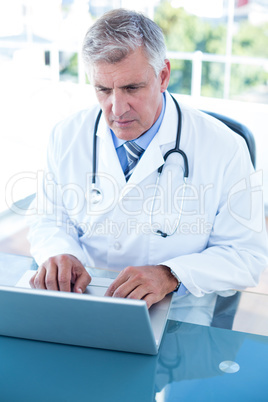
[143, 141]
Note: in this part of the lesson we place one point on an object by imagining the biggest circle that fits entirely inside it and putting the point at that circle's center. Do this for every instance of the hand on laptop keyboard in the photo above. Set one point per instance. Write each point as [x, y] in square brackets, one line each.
[150, 283]
[59, 273]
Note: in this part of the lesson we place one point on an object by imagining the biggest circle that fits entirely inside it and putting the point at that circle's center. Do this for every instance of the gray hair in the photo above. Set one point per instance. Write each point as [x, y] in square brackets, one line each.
[118, 33]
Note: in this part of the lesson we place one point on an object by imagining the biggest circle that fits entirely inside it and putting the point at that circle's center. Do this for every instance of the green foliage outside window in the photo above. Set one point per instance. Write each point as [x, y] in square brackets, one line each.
[180, 79]
[69, 70]
[188, 33]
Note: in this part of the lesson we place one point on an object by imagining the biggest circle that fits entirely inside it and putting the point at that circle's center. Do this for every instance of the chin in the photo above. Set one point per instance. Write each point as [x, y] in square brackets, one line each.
[125, 135]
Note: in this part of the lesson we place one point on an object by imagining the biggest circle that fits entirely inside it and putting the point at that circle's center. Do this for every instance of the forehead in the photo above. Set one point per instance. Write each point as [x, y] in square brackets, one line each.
[133, 68]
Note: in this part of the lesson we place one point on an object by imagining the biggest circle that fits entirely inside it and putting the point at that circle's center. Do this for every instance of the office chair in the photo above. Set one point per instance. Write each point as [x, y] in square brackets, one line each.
[225, 307]
[240, 129]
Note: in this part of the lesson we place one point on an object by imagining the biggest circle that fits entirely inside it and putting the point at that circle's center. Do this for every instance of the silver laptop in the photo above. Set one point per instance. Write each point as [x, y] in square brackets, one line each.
[89, 319]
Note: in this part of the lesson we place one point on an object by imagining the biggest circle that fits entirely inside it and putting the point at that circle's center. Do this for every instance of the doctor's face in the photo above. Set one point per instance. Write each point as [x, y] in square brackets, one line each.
[130, 94]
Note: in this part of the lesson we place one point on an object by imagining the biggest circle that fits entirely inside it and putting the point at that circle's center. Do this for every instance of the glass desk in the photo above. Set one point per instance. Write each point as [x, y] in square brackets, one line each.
[195, 362]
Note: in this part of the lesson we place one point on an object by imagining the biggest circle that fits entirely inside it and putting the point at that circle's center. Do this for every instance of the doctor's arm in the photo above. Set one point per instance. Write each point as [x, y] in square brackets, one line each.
[53, 236]
[55, 247]
[236, 251]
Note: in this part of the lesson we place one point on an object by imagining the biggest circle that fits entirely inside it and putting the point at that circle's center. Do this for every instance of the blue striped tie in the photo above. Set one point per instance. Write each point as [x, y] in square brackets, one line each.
[134, 153]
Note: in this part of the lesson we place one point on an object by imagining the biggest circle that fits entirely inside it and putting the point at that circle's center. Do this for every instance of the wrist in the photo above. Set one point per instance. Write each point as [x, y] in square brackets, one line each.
[174, 276]
[177, 278]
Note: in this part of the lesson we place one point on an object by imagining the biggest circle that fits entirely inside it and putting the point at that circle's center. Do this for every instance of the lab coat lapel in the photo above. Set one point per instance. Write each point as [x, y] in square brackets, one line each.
[107, 161]
[150, 161]
[152, 158]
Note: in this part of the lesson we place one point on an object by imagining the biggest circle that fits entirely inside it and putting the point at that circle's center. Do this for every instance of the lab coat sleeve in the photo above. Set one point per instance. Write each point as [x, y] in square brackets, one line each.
[52, 232]
[236, 251]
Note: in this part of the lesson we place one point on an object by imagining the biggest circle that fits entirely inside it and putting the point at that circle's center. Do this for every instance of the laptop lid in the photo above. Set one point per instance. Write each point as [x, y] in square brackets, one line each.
[89, 319]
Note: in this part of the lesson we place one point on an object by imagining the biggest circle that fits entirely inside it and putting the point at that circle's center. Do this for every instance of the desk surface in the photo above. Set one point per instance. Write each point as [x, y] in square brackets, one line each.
[191, 364]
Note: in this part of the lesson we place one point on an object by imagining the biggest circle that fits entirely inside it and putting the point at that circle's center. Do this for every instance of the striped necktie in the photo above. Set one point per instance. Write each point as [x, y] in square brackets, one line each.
[134, 153]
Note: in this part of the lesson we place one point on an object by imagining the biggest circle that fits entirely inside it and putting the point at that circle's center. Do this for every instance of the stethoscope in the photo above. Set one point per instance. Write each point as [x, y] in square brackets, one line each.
[96, 193]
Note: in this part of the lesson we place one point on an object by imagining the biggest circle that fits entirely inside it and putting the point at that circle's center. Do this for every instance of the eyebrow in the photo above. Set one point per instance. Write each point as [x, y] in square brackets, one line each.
[133, 84]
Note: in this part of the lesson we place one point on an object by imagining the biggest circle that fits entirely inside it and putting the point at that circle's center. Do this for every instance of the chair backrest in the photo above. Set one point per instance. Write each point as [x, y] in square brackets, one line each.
[225, 307]
[240, 129]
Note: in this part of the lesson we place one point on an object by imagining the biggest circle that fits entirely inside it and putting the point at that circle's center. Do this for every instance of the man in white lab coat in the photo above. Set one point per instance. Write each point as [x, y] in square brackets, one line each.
[202, 237]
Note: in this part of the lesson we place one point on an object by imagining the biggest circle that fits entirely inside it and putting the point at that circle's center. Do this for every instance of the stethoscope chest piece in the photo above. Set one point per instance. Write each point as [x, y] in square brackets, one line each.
[94, 196]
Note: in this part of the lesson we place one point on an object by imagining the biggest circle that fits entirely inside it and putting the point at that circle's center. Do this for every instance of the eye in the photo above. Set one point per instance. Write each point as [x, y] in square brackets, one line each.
[132, 88]
[104, 90]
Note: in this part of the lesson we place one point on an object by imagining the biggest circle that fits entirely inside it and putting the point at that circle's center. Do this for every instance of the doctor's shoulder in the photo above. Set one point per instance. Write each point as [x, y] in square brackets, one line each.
[78, 124]
[209, 133]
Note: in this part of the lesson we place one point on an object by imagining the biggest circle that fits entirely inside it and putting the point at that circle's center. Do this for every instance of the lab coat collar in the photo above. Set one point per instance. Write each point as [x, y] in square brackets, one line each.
[152, 158]
[168, 130]
[107, 160]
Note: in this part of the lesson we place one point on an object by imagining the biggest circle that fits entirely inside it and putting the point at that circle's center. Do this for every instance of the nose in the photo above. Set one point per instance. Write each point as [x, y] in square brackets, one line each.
[120, 104]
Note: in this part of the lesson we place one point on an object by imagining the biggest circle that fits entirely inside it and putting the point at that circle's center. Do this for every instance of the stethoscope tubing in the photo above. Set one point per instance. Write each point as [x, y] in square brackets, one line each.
[94, 158]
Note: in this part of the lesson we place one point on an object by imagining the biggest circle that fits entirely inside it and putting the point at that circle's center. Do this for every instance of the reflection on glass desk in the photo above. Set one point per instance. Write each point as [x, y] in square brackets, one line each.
[195, 362]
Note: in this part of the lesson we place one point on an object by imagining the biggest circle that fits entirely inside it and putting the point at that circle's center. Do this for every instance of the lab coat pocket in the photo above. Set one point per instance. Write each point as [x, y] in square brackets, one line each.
[175, 238]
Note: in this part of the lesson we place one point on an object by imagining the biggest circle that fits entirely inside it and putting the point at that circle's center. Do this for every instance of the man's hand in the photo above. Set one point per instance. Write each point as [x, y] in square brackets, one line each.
[59, 273]
[150, 283]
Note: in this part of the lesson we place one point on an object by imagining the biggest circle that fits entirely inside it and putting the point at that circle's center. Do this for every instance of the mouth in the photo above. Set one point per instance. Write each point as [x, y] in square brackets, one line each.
[122, 123]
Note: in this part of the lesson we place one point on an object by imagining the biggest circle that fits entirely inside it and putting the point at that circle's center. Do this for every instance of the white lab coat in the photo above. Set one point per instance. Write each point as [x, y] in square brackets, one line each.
[220, 243]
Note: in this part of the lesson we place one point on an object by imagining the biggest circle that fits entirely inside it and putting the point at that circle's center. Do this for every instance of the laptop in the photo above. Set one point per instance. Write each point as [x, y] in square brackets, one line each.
[89, 319]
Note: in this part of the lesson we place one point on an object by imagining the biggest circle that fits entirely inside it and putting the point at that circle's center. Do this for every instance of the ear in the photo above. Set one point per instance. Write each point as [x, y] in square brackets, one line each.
[165, 75]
